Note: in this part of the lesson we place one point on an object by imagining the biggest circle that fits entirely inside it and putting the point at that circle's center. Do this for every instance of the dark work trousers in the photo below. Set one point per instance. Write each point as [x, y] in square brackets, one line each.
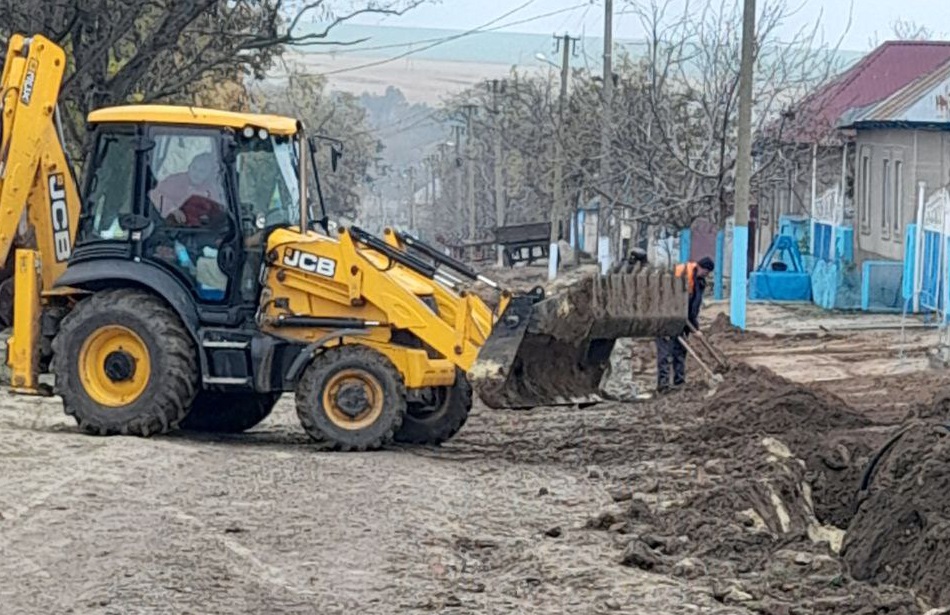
[669, 350]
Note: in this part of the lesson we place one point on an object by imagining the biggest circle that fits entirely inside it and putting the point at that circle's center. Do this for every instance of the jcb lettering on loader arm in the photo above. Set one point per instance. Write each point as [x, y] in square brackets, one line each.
[310, 262]
[160, 313]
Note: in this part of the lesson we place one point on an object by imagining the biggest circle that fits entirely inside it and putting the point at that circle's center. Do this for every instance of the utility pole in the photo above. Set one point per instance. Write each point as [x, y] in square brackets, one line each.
[497, 87]
[740, 230]
[470, 110]
[603, 242]
[458, 168]
[412, 200]
[564, 44]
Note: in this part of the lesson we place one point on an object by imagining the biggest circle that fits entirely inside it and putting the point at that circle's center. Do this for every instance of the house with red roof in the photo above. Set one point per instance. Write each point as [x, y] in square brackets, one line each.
[872, 147]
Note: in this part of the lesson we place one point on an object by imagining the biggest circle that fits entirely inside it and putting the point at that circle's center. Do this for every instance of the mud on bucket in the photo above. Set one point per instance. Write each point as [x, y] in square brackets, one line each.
[555, 351]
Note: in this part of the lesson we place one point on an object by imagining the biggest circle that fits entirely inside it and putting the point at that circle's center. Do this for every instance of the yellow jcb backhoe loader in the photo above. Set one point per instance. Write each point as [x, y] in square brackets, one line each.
[193, 282]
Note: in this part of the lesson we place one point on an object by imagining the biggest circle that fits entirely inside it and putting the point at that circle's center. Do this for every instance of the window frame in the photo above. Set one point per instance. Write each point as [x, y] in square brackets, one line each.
[865, 171]
[233, 235]
[898, 202]
[886, 194]
[86, 233]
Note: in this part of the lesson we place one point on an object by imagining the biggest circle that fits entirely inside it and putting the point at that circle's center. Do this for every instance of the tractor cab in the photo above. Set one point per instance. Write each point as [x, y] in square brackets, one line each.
[190, 195]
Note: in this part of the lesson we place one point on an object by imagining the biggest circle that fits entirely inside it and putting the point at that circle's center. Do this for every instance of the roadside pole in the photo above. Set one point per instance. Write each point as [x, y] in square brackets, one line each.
[740, 232]
[559, 207]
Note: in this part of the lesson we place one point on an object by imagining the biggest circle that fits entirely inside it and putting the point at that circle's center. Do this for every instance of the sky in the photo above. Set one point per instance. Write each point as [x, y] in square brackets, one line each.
[870, 20]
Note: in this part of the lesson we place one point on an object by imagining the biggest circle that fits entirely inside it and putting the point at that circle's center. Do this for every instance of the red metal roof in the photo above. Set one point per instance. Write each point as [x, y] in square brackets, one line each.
[875, 77]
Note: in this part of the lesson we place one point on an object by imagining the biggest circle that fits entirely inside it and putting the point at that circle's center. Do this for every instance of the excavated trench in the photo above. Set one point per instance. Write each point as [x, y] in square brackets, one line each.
[762, 505]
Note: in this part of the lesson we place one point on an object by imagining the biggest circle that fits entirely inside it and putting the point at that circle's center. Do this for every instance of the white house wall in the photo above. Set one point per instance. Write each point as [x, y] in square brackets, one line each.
[924, 156]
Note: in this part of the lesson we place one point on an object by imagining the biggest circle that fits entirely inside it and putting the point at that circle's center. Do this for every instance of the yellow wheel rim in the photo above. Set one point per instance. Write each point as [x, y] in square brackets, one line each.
[353, 399]
[114, 366]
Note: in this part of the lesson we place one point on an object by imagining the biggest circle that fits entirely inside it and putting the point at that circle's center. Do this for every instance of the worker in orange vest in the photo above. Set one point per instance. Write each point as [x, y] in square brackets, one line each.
[668, 349]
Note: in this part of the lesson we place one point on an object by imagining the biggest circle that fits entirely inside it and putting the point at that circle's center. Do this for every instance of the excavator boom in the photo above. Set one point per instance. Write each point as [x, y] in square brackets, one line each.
[35, 177]
[39, 202]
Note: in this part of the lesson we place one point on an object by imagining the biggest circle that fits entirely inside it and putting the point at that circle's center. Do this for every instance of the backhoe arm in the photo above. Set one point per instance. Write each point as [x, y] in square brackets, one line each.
[35, 178]
[39, 202]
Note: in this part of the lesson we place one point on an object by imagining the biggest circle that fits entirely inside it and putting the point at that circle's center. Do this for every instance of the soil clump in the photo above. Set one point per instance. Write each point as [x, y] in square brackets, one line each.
[901, 532]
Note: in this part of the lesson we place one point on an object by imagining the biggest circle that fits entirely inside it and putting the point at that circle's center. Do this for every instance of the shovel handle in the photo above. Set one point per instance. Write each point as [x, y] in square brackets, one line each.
[709, 372]
[702, 339]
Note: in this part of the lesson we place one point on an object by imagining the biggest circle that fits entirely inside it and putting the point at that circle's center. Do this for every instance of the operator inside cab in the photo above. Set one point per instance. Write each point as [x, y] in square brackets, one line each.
[669, 349]
[195, 199]
[185, 197]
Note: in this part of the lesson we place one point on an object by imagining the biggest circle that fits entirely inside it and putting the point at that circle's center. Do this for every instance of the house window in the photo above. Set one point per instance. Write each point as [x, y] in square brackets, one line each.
[866, 192]
[898, 199]
[886, 200]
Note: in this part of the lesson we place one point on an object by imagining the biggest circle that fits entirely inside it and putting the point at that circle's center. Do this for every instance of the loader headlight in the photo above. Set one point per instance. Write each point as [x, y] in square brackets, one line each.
[248, 132]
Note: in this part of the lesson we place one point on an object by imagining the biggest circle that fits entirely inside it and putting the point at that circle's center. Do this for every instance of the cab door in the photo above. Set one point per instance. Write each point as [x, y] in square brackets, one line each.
[194, 234]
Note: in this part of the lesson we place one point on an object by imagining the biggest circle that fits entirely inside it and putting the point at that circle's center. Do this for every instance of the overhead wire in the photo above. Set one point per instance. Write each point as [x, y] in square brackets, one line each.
[478, 30]
[440, 39]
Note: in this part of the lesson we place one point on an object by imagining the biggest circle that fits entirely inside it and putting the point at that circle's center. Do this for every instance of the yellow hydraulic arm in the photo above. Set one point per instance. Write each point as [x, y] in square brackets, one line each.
[39, 202]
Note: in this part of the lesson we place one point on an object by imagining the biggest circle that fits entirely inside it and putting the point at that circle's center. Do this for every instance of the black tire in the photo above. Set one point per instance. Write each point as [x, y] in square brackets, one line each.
[317, 419]
[173, 371]
[231, 412]
[435, 426]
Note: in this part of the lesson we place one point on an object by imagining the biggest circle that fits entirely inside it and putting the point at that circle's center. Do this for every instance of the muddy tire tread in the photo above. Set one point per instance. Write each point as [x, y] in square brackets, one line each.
[170, 402]
[307, 391]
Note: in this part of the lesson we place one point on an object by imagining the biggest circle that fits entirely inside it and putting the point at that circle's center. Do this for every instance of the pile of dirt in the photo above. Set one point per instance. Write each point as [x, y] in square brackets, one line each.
[721, 329]
[755, 400]
[750, 528]
[767, 473]
[901, 532]
[817, 426]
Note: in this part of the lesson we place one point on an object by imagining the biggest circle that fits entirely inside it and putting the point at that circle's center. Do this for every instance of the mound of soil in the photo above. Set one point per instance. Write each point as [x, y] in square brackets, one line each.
[752, 527]
[766, 469]
[755, 400]
[816, 426]
[901, 532]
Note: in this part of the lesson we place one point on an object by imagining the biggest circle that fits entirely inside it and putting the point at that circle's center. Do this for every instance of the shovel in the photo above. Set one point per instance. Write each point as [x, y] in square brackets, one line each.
[718, 356]
[715, 378]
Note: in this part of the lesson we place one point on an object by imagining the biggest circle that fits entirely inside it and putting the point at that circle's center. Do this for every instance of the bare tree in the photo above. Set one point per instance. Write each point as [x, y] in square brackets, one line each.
[693, 69]
[171, 50]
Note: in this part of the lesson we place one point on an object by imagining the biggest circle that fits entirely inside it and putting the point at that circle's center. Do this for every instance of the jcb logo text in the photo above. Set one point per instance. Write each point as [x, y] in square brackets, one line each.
[309, 262]
[59, 214]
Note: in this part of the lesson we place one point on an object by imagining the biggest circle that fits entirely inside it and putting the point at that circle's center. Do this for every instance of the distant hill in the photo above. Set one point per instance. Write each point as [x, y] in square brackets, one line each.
[442, 61]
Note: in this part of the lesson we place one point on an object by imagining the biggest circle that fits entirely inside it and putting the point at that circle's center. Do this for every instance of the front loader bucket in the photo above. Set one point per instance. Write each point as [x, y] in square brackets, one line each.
[555, 351]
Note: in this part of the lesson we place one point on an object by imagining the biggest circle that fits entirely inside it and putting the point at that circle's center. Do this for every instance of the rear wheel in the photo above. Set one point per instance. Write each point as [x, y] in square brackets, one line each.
[352, 398]
[124, 364]
[439, 419]
[230, 412]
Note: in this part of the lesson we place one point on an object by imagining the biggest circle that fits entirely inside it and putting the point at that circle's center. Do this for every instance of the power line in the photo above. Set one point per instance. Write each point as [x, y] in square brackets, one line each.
[442, 39]
[477, 30]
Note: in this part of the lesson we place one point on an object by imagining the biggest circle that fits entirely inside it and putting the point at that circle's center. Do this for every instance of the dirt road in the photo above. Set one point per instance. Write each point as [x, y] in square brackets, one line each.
[261, 523]
[507, 518]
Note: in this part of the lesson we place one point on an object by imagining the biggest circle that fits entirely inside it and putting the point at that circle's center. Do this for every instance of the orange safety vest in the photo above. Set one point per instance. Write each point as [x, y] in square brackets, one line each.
[690, 270]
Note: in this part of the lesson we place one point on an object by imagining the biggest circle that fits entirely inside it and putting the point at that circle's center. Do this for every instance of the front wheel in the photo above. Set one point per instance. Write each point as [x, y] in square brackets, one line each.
[351, 397]
[125, 364]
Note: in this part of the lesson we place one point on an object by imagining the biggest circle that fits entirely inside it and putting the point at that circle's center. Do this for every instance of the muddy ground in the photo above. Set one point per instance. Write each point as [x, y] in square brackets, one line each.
[691, 503]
